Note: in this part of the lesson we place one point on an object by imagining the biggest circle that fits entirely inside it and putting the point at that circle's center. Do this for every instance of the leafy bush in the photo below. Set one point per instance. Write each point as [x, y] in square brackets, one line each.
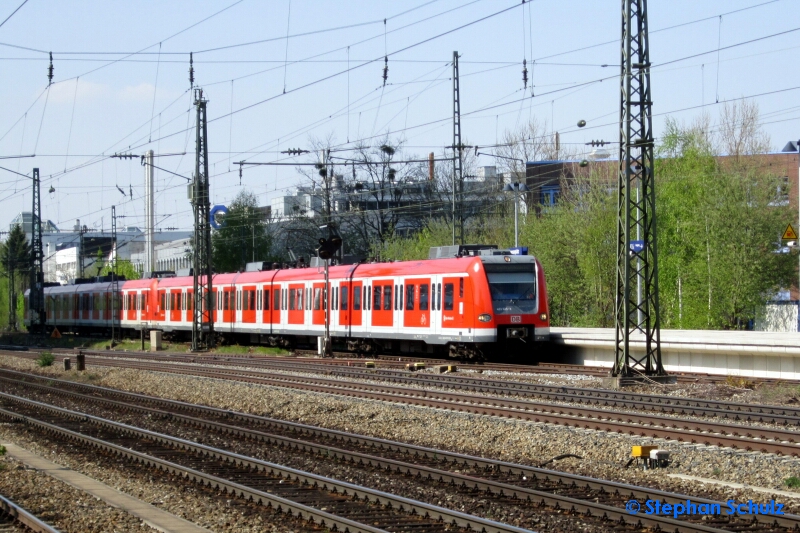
[739, 382]
[45, 359]
[792, 482]
[2, 450]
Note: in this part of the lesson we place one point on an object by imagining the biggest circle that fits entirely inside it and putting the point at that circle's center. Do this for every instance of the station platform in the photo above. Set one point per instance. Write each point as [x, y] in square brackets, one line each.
[737, 353]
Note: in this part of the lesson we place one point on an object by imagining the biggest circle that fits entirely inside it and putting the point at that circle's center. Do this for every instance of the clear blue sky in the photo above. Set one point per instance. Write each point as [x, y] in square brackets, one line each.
[101, 106]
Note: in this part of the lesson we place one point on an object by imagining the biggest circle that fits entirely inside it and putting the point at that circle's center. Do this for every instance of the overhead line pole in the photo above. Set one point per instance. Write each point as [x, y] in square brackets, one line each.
[202, 272]
[636, 312]
[36, 297]
[458, 158]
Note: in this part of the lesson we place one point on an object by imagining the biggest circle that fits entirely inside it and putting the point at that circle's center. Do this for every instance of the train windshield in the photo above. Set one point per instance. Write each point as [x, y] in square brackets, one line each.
[513, 292]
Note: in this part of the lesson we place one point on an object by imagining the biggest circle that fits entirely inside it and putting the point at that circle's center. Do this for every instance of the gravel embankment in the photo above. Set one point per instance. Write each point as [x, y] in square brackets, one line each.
[60, 505]
[603, 455]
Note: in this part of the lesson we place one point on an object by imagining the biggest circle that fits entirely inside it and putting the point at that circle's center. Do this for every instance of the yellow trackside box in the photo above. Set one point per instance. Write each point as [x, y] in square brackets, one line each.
[642, 451]
[370, 364]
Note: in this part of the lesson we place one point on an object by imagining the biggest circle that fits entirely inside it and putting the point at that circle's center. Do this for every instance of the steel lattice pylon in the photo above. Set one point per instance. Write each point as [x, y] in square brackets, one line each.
[36, 296]
[458, 160]
[637, 311]
[203, 296]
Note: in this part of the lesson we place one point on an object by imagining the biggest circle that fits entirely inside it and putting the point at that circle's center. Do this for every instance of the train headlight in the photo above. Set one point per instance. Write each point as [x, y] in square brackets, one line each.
[543, 317]
[484, 318]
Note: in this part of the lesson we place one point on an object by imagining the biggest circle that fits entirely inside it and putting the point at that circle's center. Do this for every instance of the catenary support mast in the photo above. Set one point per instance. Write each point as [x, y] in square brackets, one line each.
[203, 295]
[637, 311]
[36, 297]
[458, 160]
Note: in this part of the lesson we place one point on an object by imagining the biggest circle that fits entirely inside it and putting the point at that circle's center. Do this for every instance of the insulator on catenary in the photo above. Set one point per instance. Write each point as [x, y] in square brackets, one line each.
[191, 70]
[385, 69]
[50, 70]
[525, 73]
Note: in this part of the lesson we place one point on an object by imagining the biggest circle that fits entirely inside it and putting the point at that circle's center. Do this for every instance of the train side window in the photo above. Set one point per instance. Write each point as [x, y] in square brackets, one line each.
[410, 298]
[335, 299]
[317, 297]
[448, 296]
[245, 299]
[308, 299]
[400, 307]
[266, 299]
[396, 296]
[357, 298]
[259, 300]
[292, 301]
[189, 299]
[276, 299]
[344, 298]
[460, 287]
[163, 301]
[423, 297]
[376, 297]
[387, 297]
[439, 296]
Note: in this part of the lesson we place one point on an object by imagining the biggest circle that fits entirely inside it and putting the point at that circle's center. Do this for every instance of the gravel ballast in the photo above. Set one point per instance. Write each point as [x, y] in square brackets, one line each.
[603, 454]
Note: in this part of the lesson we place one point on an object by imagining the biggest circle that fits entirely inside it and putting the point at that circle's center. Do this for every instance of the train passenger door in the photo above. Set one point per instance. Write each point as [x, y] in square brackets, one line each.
[175, 305]
[317, 303]
[452, 302]
[382, 303]
[345, 304]
[228, 304]
[249, 304]
[296, 307]
[355, 304]
[417, 304]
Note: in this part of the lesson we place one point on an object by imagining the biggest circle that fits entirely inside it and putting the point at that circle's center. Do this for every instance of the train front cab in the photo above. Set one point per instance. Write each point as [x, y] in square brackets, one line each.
[516, 308]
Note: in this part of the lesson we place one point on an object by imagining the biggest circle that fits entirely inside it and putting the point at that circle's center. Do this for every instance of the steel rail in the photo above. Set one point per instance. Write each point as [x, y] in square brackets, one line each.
[356, 492]
[622, 491]
[25, 518]
[709, 433]
[738, 412]
[607, 398]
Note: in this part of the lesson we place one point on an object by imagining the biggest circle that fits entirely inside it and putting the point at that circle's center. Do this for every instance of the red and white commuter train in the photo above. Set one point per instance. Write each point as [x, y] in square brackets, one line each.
[466, 307]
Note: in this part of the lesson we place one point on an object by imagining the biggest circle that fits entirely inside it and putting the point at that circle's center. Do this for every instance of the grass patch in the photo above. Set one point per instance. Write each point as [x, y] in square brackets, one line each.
[2, 450]
[45, 359]
[235, 349]
[792, 482]
[739, 382]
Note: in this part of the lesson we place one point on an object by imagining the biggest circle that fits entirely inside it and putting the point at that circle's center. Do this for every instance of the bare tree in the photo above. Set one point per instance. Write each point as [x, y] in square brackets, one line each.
[739, 130]
[530, 142]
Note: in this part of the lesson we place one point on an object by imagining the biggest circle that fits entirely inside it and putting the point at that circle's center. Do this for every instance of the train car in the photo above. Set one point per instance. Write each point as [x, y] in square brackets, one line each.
[465, 307]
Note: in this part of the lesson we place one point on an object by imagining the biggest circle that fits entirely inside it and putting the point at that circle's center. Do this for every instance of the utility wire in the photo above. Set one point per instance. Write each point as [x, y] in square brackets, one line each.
[13, 13]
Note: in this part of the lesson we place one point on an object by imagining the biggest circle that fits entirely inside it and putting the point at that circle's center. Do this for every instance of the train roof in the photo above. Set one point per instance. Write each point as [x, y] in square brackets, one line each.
[422, 267]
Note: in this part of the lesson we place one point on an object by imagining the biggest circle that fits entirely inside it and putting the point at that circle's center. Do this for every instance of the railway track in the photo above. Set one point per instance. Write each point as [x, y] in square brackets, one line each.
[322, 501]
[535, 487]
[745, 437]
[15, 518]
[737, 412]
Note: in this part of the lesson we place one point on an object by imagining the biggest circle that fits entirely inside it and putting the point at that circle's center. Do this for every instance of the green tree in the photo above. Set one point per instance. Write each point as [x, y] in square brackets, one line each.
[718, 227]
[124, 268]
[15, 257]
[243, 237]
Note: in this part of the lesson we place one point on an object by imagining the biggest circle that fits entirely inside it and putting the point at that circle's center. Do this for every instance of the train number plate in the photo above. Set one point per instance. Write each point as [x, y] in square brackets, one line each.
[516, 319]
